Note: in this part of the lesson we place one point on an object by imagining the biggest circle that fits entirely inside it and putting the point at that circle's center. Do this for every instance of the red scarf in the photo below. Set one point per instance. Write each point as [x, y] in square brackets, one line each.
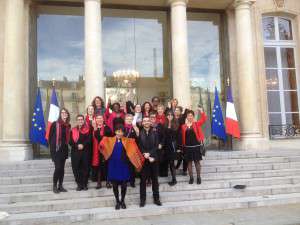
[76, 132]
[160, 119]
[59, 124]
[87, 119]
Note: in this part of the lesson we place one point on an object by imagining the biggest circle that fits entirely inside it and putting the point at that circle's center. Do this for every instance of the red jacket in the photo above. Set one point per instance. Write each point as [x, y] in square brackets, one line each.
[196, 127]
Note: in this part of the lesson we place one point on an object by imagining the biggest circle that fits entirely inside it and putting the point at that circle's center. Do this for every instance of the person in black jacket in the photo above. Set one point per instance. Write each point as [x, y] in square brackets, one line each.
[148, 144]
[80, 141]
[58, 142]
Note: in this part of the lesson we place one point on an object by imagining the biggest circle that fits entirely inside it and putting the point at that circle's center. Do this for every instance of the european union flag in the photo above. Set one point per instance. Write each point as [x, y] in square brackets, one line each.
[37, 131]
[217, 124]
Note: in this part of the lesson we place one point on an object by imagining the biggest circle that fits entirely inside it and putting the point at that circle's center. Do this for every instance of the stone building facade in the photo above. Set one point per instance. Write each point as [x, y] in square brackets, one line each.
[257, 49]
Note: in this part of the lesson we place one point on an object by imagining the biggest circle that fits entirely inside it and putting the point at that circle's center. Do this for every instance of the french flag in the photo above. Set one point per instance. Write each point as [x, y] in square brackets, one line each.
[231, 121]
[53, 112]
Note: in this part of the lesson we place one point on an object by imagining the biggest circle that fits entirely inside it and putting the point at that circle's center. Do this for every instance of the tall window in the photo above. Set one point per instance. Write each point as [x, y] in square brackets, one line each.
[281, 74]
[204, 61]
[136, 39]
[60, 61]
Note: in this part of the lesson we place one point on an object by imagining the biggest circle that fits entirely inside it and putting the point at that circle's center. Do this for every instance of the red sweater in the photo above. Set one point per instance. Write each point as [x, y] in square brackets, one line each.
[196, 127]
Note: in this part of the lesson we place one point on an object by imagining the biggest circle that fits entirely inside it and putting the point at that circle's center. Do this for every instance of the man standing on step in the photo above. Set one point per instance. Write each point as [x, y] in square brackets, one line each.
[148, 143]
[80, 141]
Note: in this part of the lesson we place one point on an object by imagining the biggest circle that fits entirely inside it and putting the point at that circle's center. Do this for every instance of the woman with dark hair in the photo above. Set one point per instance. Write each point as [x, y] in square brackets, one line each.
[80, 140]
[170, 138]
[192, 137]
[146, 109]
[116, 116]
[120, 151]
[99, 106]
[98, 162]
[58, 142]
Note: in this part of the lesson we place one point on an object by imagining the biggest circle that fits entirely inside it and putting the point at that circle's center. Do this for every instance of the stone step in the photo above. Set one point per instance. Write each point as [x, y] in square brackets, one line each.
[27, 192]
[105, 213]
[206, 176]
[132, 198]
[218, 158]
[205, 169]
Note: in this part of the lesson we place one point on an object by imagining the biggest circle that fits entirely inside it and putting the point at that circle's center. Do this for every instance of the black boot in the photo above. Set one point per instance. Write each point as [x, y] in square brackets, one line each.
[55, 189]
[61, 188]
[157, 202]
[173, 182]
[123, 205]
[191, 180]
[118, 205]
[198, 180]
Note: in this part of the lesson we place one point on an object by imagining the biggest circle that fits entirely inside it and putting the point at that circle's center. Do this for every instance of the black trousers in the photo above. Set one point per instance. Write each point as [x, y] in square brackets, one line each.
[80, 166]
[59, 171]
[150, 170]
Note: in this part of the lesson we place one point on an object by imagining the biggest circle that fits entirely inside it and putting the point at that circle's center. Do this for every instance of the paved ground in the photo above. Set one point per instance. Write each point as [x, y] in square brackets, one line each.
[279, 215]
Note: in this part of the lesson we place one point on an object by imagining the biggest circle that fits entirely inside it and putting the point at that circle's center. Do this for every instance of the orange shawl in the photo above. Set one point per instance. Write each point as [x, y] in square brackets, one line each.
[132, 151]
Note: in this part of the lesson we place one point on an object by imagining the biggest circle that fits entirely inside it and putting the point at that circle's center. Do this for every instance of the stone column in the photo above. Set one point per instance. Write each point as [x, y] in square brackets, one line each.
[180, 60]
[94, 82]
[14, 145]
[249, 110]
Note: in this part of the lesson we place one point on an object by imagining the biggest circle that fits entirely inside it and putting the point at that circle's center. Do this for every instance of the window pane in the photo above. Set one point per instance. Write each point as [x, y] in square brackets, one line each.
[272, 79]
[269, 28]
[287, 58]
[270, 57]
[275, 119]
[60, 56]
[292, 118]
[291, 101]
[273, 101]
[136, 40]
[285, 29]
[289, 79]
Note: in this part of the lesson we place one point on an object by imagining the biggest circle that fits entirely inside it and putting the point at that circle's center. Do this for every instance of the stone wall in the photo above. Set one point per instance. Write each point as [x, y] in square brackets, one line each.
[2, 15]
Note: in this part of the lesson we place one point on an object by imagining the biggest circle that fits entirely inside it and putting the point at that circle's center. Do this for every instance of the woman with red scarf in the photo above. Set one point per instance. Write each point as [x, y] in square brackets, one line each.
[116, 116]
[160, 117]
[80, 141]
[192, 138]
[58, 142]
[98, 162]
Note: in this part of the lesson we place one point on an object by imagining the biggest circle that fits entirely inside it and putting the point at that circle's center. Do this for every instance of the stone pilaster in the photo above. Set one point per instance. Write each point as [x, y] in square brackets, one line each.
[94, 82]
[180, 57]
[14, 144]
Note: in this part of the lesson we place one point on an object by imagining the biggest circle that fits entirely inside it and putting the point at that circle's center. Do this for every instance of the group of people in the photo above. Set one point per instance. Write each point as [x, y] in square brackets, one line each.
[115, 144]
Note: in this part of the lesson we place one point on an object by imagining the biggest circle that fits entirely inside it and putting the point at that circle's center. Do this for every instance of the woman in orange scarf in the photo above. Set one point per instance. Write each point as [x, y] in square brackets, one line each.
[120, 151]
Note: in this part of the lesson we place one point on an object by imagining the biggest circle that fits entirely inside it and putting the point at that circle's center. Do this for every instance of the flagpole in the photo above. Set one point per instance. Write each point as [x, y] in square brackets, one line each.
[230, 136]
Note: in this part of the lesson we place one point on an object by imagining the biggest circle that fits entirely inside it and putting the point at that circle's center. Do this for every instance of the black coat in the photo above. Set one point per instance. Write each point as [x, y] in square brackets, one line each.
[62, 152]
[148, 142]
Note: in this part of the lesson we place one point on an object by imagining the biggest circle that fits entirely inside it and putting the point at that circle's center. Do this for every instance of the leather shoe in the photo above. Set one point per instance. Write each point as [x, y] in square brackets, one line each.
[157, 202]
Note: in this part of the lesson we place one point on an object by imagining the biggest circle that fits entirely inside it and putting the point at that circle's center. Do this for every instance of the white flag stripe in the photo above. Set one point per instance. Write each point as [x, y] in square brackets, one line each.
[53, 113]
[230, 111]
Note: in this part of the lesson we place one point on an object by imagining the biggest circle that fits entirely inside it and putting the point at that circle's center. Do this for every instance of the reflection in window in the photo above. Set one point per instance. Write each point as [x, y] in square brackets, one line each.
[285, 29]
[269, 28]
[272, 79]
[270, 57]
[289, 79]
[136, 39]
[287, 58]
[60, 58]
[273, 98]
[204, 60]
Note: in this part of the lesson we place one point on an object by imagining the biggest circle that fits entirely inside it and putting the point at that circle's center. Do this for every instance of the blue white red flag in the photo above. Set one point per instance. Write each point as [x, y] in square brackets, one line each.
[231, 121]
[53, 112]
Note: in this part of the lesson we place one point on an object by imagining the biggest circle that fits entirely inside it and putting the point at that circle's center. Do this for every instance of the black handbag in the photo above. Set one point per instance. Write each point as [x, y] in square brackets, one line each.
[202, 148]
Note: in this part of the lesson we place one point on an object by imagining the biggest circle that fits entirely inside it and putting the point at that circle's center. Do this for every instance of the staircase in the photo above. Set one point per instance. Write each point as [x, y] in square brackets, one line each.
[271, 177]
